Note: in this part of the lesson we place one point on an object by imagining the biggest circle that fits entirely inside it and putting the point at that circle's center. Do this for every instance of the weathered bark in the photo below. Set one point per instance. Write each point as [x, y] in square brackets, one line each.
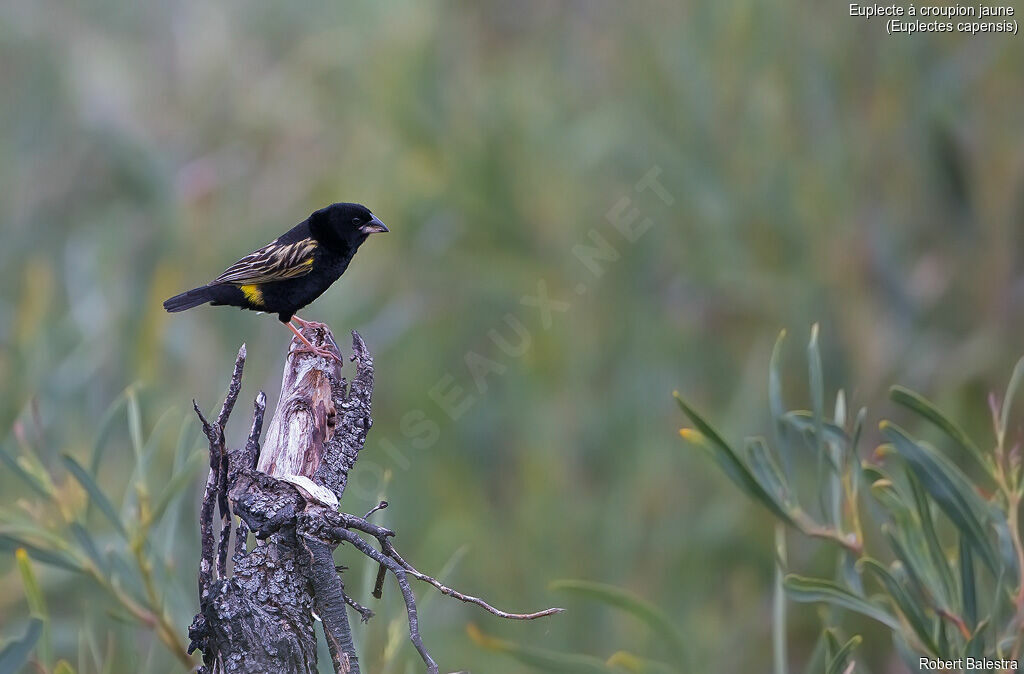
[259, 618]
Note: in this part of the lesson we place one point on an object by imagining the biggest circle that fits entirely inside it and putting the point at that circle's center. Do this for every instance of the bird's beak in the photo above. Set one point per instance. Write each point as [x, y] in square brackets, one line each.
[374, 226]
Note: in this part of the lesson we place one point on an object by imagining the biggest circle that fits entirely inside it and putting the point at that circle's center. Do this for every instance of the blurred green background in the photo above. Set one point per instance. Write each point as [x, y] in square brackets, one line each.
[818, 171]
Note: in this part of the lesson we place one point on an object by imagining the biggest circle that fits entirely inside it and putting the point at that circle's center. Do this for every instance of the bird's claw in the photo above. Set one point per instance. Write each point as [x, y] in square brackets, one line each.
[323, 353]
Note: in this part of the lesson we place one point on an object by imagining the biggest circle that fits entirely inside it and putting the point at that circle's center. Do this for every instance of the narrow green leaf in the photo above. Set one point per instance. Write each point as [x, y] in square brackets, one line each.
[123, 570]
[780, 659]
[34, 594]
[122, 616]
[637, 665]
[968, 589]
[188, 437]
[806, 590]
[831, 644]
[36, 604]
[541, 659]
[135, 424]
[910, 656]
[854, 453]
[942, 638]
[85, 541]
[939, 560]
[102, 435]
[834, 451]
[1011, 392]
[775, 401]
[976, 645]
[950, 489]
[656, 619]
[804, 421]
[777, 406]
[153, 442]
[886, 492]
[839, 413]
[25, 476]
[16, 653]
[926, 409]
[59, 559]
[872, 473]
[108, 660]
[1005, 542]
[766, 471]
[95, 494]
[817, 662]
[181, 479]
[910, 609]
[817, 384]
[723, 454]
[908, 541]
[841, 657]
[849, 574]
[911, 553]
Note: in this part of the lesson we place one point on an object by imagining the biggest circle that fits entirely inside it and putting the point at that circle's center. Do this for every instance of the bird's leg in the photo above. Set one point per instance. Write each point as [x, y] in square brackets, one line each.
[308, 324]
[325, 353]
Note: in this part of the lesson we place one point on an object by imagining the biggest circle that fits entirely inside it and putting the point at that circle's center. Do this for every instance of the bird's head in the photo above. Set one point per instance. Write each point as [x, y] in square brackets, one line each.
[346, 224]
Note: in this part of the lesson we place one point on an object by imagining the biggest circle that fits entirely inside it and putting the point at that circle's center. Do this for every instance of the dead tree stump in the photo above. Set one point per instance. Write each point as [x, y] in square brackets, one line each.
[258, 617]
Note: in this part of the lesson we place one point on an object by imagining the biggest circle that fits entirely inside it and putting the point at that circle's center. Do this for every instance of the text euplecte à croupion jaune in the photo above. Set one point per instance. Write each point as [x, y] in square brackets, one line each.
[956, 18]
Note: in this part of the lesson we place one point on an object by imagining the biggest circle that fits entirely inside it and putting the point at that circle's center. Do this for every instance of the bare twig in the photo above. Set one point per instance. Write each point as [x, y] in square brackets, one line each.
[403, 583]
[329, 599]
[206, 560]
[222, 490]
[249, 455]
[445, 590]
[378, 585]
[364, 613]
[382, 535]
[225, 512]
[233, 388]
[379, 506]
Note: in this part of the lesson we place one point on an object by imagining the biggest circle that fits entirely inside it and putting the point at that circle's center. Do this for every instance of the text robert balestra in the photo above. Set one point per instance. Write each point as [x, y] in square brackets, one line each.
[966, 665]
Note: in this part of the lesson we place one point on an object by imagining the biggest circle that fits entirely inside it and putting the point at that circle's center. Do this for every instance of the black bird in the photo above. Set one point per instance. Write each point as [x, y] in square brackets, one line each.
[293, 270]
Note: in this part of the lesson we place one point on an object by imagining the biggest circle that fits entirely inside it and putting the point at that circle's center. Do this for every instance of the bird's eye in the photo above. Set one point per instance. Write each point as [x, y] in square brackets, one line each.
[356, 221]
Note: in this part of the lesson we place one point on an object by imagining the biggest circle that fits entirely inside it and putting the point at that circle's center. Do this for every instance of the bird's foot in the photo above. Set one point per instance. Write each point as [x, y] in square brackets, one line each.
[323, 353]
[308, 347]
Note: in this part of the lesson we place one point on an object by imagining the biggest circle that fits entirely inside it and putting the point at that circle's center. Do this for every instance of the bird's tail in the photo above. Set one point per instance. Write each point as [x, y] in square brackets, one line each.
[189, 299]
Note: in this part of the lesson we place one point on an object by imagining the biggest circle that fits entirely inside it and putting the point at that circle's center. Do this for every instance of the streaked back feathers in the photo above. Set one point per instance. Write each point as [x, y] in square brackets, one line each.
[294, 269]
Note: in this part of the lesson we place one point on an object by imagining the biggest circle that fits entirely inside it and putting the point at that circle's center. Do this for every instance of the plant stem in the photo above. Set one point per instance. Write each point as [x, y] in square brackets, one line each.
[779, 603]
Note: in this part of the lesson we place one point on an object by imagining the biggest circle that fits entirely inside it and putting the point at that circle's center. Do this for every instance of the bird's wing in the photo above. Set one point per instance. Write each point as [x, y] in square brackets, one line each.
[273, 262]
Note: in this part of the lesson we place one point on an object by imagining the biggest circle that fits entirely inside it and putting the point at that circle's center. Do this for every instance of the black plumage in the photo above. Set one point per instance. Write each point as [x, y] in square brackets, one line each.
[291, 271]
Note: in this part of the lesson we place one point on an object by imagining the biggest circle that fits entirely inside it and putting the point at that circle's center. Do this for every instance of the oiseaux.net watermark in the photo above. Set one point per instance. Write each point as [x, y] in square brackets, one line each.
[626, 222]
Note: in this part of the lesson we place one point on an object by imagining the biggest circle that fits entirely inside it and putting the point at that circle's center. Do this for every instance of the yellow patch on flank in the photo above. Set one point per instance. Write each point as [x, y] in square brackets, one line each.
[253, 294]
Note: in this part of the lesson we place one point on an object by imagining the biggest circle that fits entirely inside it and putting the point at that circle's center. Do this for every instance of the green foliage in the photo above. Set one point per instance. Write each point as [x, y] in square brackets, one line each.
[143, 146]
[666, 633]
[16, 653]
[540, 659]
[616, 597]
[126, 569]
[934, 519]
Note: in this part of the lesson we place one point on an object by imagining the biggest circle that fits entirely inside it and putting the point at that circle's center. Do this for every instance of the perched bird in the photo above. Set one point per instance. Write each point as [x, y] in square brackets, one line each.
[293, 270]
